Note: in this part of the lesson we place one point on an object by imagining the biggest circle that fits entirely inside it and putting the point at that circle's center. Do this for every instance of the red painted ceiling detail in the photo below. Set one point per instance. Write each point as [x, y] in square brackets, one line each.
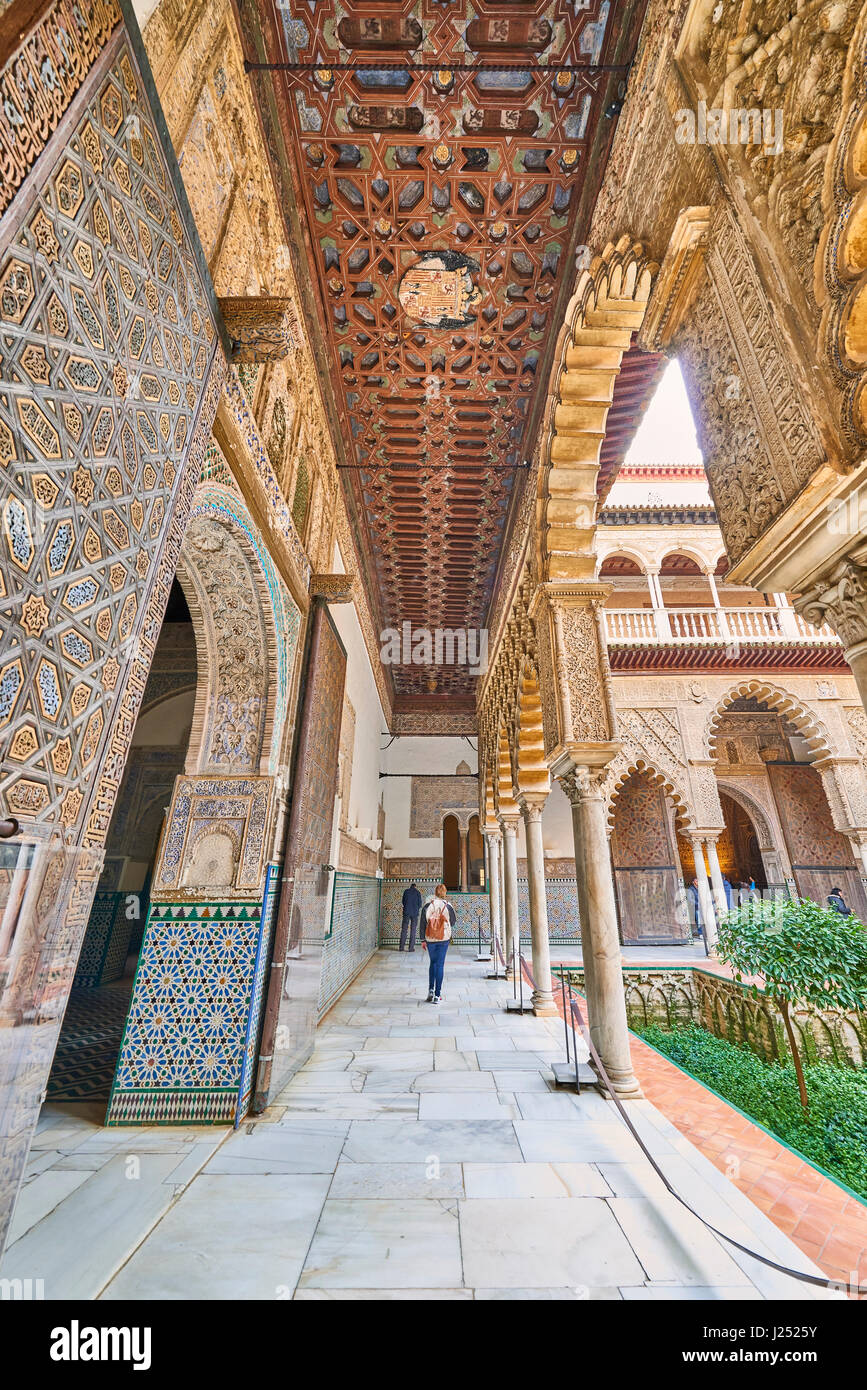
[440, 194]
[706, 657]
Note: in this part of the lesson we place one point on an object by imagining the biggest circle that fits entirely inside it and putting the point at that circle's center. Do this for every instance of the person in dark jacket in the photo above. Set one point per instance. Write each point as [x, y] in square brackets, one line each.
[835, 900]
[409, 921]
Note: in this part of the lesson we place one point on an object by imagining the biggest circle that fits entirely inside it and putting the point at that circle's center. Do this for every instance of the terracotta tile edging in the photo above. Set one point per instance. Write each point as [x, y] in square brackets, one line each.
[757, 1124]
[829, 1226]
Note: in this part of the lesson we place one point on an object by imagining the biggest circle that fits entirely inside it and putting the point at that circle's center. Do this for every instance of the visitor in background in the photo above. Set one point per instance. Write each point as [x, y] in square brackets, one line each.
[438, 918]
[729, 892]
[835, 900]
[409, 921]
[694, 906]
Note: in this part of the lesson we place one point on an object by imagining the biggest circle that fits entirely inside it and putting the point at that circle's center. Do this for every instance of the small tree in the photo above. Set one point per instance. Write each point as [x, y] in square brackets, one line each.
[806, 954]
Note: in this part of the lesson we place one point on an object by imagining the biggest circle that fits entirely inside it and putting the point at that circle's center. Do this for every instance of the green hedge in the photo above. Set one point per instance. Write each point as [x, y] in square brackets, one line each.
[833, 1135]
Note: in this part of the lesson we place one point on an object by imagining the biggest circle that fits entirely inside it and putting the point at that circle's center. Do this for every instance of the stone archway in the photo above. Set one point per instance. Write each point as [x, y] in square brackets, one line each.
[783, 703]
[644, 857]
[607, 308]
[770, 841]
[217, 576]
[213, 890]
[769, 743]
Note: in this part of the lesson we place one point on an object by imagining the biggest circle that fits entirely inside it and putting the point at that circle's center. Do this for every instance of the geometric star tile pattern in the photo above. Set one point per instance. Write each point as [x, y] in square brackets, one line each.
[105, 345]
[185, 1039]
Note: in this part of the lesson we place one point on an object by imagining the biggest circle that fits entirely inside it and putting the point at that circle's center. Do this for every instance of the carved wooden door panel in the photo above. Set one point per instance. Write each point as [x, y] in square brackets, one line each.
[821, 858]
[645, 872]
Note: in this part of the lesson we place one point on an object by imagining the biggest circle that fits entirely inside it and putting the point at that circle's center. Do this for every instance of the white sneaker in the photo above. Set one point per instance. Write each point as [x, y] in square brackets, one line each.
[430, 997]
[437, 999]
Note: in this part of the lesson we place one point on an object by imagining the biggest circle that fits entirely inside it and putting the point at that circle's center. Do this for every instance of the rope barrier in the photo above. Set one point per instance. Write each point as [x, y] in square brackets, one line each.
[606, 1081]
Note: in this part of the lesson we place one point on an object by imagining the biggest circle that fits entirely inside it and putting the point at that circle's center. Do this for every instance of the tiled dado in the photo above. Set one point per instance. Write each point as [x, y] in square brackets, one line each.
[562, 896]
[104, 949]
[189, 1047]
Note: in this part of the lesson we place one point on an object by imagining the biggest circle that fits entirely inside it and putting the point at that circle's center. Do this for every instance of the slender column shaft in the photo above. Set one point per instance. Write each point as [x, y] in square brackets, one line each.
[857, 659]
[543, 998]
[600, 941]
[510, 889]
[704, 894]
[719, 891]
[465, 861]
[493, 839]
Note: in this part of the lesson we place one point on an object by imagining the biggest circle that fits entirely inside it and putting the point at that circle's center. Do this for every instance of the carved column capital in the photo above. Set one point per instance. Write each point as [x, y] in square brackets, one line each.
[579, 785]
[509, 825]
[839, 599]
[532, 806]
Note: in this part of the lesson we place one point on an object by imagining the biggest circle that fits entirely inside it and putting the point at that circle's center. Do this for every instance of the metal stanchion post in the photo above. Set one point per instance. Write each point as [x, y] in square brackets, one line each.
[565, 1023]
[485, 955]
[573, 1071]
[517, 1005]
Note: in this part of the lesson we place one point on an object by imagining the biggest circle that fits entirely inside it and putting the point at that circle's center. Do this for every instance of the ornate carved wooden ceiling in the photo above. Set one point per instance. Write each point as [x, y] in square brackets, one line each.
[442, 197]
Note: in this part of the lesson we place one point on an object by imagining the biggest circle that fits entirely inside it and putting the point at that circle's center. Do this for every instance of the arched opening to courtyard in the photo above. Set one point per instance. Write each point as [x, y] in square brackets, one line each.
[93, 1024]
[779, 823]
[451, 836]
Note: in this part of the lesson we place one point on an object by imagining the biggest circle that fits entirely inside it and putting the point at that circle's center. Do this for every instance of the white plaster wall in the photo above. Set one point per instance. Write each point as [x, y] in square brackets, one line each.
[557, 838]
[417, 755]
[167, 724]
[143, 11]
[364, 793]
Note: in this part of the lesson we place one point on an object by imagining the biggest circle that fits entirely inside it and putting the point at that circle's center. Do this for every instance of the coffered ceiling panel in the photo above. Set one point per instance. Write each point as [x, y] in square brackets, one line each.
[443, 157]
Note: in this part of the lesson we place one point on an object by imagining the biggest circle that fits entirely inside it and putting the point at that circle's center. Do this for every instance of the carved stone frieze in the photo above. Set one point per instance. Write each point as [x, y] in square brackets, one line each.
[261, 328]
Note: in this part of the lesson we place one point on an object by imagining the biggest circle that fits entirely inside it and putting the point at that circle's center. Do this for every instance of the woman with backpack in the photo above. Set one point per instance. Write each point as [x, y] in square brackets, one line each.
[438, 917]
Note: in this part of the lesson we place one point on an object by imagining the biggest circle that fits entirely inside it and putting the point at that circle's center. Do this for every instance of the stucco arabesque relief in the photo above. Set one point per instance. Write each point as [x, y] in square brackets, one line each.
[768, 418]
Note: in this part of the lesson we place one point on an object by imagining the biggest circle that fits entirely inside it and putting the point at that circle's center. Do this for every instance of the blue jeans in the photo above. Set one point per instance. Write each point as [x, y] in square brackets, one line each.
[437, 955]
[407, 925]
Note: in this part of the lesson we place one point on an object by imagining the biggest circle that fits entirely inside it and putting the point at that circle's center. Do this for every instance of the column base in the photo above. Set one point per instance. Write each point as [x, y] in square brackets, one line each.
[626, 1088]
[545, 1008]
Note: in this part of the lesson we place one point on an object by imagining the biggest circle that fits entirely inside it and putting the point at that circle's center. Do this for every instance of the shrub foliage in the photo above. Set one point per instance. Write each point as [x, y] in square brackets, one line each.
[833, 1134]
[805, 954]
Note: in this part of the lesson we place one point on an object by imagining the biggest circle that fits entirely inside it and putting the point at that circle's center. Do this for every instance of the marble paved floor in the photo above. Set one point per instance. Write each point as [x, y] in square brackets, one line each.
[422, 1152]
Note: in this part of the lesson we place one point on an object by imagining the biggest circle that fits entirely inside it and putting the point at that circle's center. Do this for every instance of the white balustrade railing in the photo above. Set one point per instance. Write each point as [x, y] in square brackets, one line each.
[625, 626]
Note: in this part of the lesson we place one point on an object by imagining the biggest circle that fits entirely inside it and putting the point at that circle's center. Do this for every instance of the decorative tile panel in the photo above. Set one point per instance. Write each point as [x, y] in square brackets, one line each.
[562, 896]
[353, 933]
[186, 1035]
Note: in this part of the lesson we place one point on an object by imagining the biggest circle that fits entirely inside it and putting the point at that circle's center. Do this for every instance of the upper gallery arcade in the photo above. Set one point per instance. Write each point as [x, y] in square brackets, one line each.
[318, 322]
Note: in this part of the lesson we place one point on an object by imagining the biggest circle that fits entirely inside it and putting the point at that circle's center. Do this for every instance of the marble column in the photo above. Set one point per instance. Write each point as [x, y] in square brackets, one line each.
[543, 997]
[511, 929]
[600, 939]
[719, 892]
[465, 860]
[704, 894]
[493, 840]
